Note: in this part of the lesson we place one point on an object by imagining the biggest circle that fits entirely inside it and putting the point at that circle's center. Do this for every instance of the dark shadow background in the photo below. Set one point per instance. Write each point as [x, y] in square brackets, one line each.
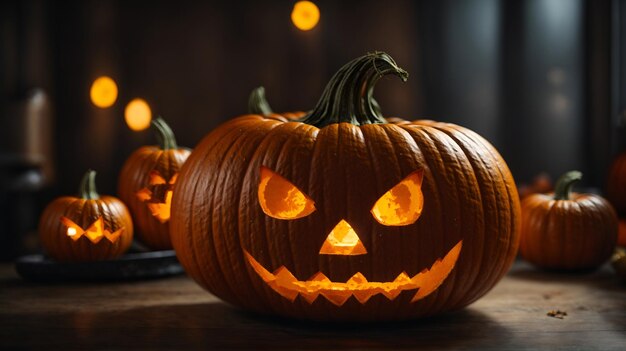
[543, 80]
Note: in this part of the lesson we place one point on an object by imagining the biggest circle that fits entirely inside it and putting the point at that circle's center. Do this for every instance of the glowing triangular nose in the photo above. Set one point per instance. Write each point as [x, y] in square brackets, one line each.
[343, 240]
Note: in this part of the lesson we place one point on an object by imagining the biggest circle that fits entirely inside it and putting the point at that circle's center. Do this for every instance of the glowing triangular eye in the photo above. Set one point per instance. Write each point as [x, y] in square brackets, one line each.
[280, 199]
[402, 205]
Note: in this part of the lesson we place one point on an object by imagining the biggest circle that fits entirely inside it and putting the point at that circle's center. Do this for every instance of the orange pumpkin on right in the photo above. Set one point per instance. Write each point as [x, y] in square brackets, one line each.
[565, 230]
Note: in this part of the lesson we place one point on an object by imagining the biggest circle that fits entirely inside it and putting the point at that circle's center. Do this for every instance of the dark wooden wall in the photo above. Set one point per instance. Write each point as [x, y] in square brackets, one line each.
[530, 76]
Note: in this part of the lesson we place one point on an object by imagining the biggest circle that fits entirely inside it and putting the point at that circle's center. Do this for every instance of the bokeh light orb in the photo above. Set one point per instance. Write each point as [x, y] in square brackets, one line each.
[305, 15]
[138, 114]
[103, 92]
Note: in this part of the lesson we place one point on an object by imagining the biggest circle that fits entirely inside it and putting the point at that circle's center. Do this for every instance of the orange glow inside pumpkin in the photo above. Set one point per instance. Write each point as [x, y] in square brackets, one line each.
[94, 233]
[343, 240]
[287, 285]
[159, 208]
[280, 199]
[402, 204]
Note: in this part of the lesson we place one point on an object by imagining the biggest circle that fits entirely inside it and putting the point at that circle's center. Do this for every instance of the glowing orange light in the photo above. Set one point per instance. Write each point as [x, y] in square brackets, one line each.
[103, 92]
[162, 211]
[287, 285]
[280, 199]
[305, 15]
[94, 233]
[159, 205]
[71, 231]
[402, 205]
[138, 114]
[343, 240]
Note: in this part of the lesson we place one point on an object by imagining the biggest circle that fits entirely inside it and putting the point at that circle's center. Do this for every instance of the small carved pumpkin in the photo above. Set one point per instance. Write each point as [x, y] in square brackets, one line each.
[86, 228]
[342, 214]
[616, 185]
[146, 184]
[565, 230]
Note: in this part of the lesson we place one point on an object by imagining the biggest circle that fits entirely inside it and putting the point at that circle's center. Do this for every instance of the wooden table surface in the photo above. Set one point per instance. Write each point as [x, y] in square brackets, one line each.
[175, 313]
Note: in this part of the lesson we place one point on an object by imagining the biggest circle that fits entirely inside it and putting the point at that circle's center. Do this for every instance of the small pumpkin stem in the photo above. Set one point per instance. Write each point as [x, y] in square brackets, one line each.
[164, 134]
[348, 95]
[257, 104]
[87, 189]
[564, 185]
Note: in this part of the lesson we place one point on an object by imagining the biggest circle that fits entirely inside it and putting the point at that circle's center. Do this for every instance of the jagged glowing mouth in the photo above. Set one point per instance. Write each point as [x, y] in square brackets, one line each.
[287, 285]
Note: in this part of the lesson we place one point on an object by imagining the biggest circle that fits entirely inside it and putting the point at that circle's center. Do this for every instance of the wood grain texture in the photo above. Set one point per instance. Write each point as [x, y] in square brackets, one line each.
[177, 314]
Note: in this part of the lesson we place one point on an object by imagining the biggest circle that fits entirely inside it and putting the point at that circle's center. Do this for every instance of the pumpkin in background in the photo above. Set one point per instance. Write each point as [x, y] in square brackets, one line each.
[258, 105]
[616, 184]
[86, 228]
[344, 215]
[565, 230]
[618, 260]
[146, 184]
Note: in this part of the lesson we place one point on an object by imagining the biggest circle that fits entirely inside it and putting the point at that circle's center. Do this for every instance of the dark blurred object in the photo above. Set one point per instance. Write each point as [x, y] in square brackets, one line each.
[616, 184]
[621, 233]
[134, 266]
[25, 164]
[542, 183]
[618, 260]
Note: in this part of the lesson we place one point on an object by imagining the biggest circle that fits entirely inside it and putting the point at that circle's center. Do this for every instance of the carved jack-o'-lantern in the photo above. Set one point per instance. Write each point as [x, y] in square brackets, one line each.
[157, 195]
[146, 184]
[87, 228]
[345, 215]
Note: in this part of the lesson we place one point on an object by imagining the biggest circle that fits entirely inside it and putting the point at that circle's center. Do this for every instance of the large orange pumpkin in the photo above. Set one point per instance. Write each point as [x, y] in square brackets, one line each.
[89, 227]
[344, 215]
[146, 185]
[566, 230]
[616, 184]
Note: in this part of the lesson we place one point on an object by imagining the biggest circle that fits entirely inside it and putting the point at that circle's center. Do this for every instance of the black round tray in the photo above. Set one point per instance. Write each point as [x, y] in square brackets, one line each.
[133, 266]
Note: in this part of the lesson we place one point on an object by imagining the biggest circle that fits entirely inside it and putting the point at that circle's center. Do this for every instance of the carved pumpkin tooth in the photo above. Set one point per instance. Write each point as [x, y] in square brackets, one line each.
[363, 295]
[337, 297]
[112, 237]
[310, 297]
[283, 291]
[284, 276]
[392, 293]
[319, 277]
[402, 278]
[357, 278]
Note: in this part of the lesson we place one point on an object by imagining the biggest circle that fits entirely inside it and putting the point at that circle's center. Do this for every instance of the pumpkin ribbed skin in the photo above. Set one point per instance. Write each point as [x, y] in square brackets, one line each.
[135, 176]
[575, 234]
[616, 185]
[468, 190]
[344, 157]
[84, 212]
[164, 160]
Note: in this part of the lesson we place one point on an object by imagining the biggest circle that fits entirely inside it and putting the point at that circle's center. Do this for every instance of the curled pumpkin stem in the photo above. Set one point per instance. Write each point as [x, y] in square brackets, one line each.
[87, 189]
[164, 134]
[564, 185]
[348, 96]
[257, 103]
